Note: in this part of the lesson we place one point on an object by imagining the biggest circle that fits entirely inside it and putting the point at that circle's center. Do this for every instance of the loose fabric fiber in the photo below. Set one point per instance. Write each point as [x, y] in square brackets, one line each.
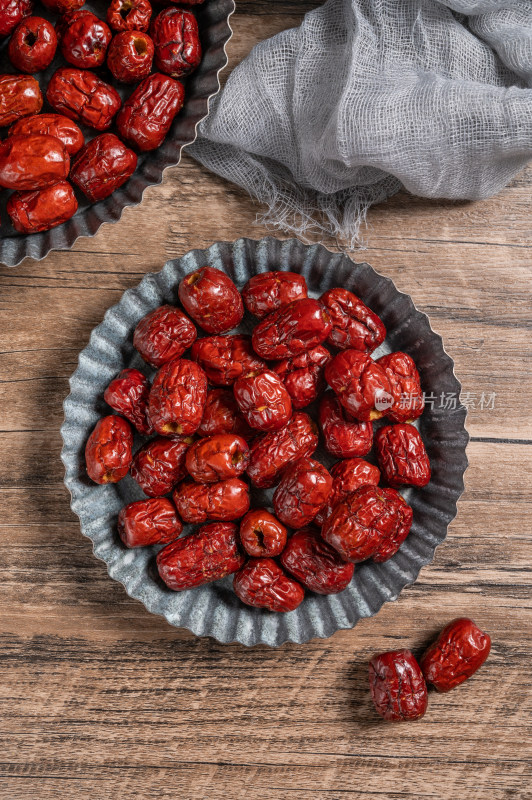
[368, 97]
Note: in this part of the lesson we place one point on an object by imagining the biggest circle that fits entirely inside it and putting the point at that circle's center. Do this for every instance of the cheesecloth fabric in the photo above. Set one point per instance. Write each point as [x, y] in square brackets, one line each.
[370, 96]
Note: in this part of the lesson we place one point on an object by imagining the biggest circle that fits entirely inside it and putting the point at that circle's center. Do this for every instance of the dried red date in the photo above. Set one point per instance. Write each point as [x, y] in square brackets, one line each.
[344, 436]
[354, 324]
[274, 452]
[81, 95]
[33, 44]
[402, 456]
[303, 375]
[56, 125]
[147, 522]
[12, 12]
[32, 162]
[389, 545]
[316, 564]
[261, 534]
[226, 358]
[303, 490]
[263, 400]
[217, 458]
[360, 384]
[397, 686]
[292, 329]
[408, 400]
[129, 15]
[130, 56]
[42, 209]
[177, 44]
[164, 334]
[460, 649]
[199, 502]
[365, 520]
[102, 166]
[269, 291]
[263, 584]
[221, 415]
[211, 298]
[177, 398]
[128, 395]
[145, 118]
[347, 476]
[108, 450]
[160, 464]
[207, 555]
[20, 96]
[84, 41]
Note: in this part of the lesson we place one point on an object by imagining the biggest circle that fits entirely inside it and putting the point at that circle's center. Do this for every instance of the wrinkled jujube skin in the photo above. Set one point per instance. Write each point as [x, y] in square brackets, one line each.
[303, 375]
[226, 358]
[160, 464]
[81, 95]
[261, 534]
[460, 649]
[102, 166]
[164, 334]
[128, 395]
[207, 555]
[147, 115]
[263, 584]
[272, 453]
[62, 6]
[397, 686]
[148, 522]
[42, 209]
[355, 326]
[367, 518]
[177, 43]
[84, 41]
[33, 44]
[217, 458]
[67, 19]
[263, 400]
[315, 563]
[222, 415]
[360, 384]
[345, 437]
[224, 500]
[56, 125]
[211, 298]
[347, 476]
[304, 488]
[32, 161]
[402, 456]
[389, 545]
[177, 398]
[129, 15]
[130, 56]
[12, 12]
[408, 400]
[269, 291]
[292, 329]
[20, 96]
[108, 450]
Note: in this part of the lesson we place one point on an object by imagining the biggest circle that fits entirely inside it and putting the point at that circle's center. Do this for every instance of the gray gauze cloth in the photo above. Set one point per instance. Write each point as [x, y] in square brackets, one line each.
[370, 96]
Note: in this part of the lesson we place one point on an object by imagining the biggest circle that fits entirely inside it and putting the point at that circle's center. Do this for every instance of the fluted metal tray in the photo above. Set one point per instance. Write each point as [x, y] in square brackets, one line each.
[214, 610]
[213, 18]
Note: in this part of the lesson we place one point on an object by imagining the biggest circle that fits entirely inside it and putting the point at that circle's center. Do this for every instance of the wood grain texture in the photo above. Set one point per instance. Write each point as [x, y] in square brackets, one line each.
[99, 699]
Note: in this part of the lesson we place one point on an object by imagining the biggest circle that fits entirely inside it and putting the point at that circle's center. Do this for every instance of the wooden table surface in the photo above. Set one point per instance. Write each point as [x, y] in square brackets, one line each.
[99, 699]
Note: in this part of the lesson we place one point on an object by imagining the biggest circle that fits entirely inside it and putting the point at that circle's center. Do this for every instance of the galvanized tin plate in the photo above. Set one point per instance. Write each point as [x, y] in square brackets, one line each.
[213, 18]
[214, 610]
